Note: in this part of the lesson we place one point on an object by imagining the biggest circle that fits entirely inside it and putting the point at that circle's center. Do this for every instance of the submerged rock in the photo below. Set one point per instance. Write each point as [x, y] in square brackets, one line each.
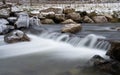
[68, 21]
[114, 51]
[23, 21]
[100, 19]
[109, 66]
[71, 28]
[16, 36]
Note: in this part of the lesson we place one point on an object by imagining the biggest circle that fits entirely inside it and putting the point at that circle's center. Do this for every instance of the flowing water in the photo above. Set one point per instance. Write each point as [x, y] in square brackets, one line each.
[49, 54]
[49, 57]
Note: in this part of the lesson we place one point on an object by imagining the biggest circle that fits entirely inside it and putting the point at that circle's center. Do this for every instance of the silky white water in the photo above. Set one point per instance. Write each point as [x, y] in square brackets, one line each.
[41, 45]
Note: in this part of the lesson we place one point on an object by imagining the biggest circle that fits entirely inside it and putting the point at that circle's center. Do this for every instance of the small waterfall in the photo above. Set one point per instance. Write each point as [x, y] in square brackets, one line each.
[90, 41]
[61, 45]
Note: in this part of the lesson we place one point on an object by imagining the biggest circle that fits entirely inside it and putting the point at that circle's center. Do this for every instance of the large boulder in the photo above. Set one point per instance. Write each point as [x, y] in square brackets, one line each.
[87, 19]
[35, 21]
[23, 21]
[59, 18]
[71, 28]
[74, 16]
[47, 21]
[68, 21]
[114, 51]
[4, 13]
[68, 10]
[16, 36]
[100, 19]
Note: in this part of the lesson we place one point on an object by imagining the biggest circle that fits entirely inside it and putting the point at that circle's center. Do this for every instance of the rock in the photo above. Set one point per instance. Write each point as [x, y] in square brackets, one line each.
[55, 10]
[68, 21]
[68, 10]
[109, 17]
[35, 21]
[92, 14]
[16, 36]
[100, 19]
[3, 21]
[71, 28]
[74, 16]
[96, 60]
[34, 13]
[41, 17]
[108, 66]
[59, 18]
[114, 51]
[4, 13]
[12, 20]
[16, 9]
[84, 13]
[47, 21]
[88, 19]
[50, 16]
[5, 28]
[23, 21]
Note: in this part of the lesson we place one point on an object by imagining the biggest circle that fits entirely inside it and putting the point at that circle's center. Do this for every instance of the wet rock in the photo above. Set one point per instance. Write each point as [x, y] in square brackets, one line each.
[59, 18]
[34, 21]
[68, 10]
[71, 28]
[109, 66]
[100, 19]
[12, 20]
[114, 51]
[68, 21]
[23, 21]
[16, 36]
[4, 13]
[47, 21]
[88, 19]
[96, 60]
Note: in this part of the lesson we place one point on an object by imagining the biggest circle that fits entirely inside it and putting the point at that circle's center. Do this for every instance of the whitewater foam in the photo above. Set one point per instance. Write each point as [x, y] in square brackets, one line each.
[40, 45]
